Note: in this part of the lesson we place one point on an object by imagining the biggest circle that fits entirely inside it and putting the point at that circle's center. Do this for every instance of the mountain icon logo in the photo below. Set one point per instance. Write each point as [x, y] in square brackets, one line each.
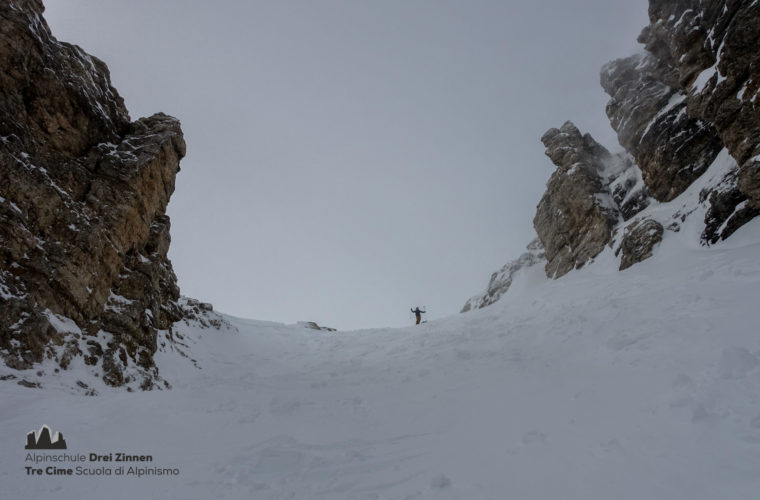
[41, 440]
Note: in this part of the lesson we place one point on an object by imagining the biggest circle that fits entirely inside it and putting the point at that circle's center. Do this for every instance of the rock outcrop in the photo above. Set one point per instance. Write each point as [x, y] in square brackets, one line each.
[687, 112]
[311, 325]
[576, 215]
[638, 242]
[715, 47]
[693, 92]
[689, 95]
[671, 148]
[501, 280]
[729, 208]
[83, 194]
[202, 314]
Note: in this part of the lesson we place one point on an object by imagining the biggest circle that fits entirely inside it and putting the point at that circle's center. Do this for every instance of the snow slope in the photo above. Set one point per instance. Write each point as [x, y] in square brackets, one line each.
[603, 384]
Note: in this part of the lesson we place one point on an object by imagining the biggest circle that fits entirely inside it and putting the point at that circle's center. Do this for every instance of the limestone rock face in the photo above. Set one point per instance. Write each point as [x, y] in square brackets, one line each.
[715, 46]
[627, 187]
[729, 208]
[671, 148]
[502, 279]
[693, 92]
[83, 195]
[687, 112]
[576, 215]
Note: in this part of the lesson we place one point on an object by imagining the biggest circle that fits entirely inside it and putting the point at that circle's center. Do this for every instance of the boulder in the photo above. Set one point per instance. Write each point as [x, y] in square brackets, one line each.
[638, 242]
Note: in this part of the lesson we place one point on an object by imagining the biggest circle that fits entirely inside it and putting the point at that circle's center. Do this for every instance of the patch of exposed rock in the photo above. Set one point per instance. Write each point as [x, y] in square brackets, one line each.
[202, 313]
[314, 326]
[729, 209]
[502, 279]
[83, 194]
[638, 241]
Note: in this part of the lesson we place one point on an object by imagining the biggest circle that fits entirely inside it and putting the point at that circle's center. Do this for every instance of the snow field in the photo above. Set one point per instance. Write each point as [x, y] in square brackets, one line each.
[603, 384]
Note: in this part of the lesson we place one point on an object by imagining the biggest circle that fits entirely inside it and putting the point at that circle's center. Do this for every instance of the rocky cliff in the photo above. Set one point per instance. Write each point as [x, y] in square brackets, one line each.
[84, 273]
[690, 94]
[686, 111]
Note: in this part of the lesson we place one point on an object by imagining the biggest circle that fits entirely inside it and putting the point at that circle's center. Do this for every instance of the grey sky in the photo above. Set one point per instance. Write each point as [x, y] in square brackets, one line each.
[348, 160]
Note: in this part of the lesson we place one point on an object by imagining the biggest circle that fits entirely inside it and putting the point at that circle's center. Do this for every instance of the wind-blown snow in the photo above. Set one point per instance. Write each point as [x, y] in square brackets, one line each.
[602, 384]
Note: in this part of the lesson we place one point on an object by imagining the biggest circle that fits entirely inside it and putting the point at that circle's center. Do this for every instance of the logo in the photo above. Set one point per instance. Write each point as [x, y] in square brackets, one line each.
[42, 441]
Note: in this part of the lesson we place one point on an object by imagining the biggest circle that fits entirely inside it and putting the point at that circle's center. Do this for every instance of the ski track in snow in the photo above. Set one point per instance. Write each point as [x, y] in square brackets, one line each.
[603, 384]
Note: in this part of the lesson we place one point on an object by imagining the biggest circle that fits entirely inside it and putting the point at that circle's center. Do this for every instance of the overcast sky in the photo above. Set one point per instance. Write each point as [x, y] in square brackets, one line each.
[348, 160]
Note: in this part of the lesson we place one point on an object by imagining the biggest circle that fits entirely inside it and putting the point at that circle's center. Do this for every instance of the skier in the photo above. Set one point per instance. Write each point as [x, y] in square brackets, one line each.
[418, 314]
